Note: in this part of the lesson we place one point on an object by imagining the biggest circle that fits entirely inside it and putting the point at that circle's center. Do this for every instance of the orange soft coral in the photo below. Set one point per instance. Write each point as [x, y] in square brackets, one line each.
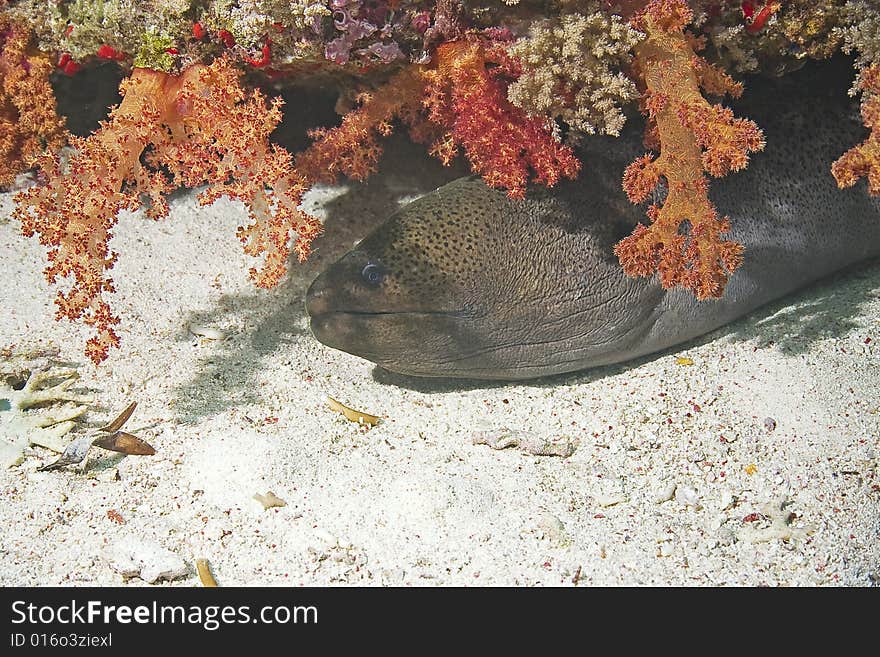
[694, 138]
[221, 137]
[352, 149]
[29, 123]
[864, 159]
[199, 127]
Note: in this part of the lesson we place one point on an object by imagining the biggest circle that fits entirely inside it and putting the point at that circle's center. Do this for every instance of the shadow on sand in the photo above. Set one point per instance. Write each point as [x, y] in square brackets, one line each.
[226, 377]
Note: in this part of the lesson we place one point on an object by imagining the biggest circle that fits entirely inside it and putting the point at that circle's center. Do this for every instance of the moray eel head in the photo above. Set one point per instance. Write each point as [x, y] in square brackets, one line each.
[404, 296]
[457, 284]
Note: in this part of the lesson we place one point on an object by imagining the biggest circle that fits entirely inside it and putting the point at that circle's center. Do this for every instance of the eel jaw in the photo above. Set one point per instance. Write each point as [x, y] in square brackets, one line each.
[414, 341]
[404, 342]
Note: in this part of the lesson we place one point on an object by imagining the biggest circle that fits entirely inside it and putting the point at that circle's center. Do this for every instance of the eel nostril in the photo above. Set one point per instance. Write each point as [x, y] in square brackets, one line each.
[316, 297]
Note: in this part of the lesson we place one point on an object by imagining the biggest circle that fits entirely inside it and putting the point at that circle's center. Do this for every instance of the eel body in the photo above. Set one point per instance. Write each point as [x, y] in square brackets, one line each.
[466, 283]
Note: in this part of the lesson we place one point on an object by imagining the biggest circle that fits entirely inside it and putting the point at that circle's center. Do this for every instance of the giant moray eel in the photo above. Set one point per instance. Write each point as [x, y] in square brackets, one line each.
[465, 282]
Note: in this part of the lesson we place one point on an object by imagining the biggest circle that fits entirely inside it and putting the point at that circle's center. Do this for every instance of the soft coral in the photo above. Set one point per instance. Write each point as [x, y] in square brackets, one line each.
[467, 95]
[864, 159]
[694, 138]
[199, 127]
[458, 100]
[29, 123]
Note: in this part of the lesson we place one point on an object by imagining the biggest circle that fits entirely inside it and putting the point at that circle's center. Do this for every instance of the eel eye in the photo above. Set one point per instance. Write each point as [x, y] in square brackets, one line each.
[372, 273]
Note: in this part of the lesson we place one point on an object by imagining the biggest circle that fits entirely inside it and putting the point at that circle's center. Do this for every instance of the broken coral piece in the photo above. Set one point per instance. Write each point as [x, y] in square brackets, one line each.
[134, 556]
[773, 523]
[352, 415]
[37, 405]
[527, 441]
[269, 500]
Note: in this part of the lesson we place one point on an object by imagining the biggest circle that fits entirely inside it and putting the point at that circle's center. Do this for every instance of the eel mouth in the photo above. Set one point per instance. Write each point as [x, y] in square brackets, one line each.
[408, 339]
[375, 335]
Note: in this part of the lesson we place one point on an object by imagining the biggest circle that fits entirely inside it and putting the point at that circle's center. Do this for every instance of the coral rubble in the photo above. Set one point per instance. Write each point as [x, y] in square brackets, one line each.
[37, 403]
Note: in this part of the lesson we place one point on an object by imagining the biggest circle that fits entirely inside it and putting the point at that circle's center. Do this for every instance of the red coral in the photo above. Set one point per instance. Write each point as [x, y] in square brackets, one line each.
[199, 127]
[864, 160]
[29, 123]
[758, 20]
[503, 144]
[456, 101]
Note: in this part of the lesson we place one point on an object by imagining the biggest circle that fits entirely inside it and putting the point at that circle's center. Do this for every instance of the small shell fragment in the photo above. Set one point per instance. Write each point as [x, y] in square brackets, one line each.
[553, 529]
[125, 443]
[269, 500]
[204, 570]
[351, 414]
[206, 332]
[664, 493]
[74, 453]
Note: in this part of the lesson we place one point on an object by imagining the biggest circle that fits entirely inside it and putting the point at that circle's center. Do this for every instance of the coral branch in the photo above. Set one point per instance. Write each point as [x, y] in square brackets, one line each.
[29, 123]
[502, 143]
[695, 138]
[199, 127]
[352, 149]
[454, 102]
[571, 69]
[864, 160]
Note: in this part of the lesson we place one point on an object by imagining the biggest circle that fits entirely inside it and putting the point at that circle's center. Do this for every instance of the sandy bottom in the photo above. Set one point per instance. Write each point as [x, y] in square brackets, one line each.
[679, 476]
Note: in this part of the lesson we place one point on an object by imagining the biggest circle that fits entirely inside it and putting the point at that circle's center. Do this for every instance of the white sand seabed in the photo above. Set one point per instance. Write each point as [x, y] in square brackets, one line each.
[675, 481]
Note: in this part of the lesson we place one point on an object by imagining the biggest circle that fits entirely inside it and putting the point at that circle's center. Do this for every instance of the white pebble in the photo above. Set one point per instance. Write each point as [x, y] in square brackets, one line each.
[326, 537]
[664, 494]
[553, 529]
[133, 556]
[206, 332]
[687, 496]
